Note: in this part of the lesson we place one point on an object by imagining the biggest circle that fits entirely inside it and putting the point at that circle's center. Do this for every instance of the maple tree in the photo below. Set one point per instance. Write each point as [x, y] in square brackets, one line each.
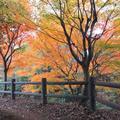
[10, 42]
[75, 16]
[56, 56]
[11, 34]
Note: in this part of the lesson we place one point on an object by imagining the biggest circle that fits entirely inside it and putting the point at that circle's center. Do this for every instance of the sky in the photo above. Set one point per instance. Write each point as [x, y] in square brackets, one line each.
[35, 14]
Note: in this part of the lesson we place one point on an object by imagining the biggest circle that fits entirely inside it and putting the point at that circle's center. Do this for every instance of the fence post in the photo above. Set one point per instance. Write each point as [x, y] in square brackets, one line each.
[13, 89]
[92, 93]
[44, 91]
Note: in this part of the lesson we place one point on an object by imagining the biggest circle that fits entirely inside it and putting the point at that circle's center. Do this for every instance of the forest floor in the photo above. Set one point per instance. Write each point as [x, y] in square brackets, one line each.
[32, 109]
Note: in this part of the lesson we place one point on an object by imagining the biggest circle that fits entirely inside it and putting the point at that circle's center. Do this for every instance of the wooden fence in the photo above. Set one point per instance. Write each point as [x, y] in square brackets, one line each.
[44, 83]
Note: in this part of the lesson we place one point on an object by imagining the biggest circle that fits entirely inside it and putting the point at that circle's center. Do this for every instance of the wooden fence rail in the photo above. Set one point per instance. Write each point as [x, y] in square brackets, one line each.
[44, 83]
[104, 84]
[43, 93]
[108, 103]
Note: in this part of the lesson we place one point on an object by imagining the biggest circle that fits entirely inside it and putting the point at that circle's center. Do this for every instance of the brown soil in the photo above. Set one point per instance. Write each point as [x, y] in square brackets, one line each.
[30, 109]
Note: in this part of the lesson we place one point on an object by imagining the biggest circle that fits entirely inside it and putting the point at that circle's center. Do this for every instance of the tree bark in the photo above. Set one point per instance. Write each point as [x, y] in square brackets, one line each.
[5, 79]
[5, 75]
[86, 79]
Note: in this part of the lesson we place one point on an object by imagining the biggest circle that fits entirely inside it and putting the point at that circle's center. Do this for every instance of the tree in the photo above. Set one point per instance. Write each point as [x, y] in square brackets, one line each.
[10, 42]
[10, 33]
[76, 16]
[55, 55]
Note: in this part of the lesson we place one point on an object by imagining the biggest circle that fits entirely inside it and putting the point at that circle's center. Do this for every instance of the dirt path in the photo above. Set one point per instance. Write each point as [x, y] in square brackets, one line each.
[23, 109]
[20, 114]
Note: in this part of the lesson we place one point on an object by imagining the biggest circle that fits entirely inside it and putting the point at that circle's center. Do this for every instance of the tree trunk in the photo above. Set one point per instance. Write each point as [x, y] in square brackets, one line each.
[5, 79]
[86, 79]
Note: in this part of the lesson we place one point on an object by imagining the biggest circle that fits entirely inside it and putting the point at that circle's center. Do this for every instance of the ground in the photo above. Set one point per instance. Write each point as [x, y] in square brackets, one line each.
[32, 109]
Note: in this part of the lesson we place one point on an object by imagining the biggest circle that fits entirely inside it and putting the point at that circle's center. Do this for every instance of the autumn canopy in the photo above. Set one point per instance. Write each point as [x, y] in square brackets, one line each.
[62, 40]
